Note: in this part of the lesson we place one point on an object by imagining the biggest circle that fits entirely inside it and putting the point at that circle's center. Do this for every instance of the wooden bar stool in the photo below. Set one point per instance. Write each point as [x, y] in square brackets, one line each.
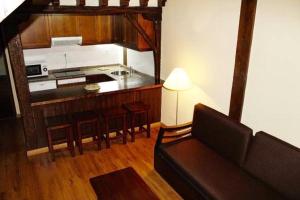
[59, 130]
[138, 109]
[112, 115]
[84, 120]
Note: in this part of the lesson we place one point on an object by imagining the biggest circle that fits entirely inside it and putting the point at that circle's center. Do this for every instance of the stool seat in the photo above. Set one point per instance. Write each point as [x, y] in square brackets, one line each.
[113, 112]
[57, 122]
[138, 109]
[53, 126]
[87, 118]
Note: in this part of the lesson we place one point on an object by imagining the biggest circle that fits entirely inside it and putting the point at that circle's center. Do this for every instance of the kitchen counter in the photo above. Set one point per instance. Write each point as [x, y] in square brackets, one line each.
[134, 81]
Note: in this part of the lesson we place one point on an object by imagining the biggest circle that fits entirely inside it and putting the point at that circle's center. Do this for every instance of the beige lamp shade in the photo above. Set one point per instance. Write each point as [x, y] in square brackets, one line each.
[178, 80]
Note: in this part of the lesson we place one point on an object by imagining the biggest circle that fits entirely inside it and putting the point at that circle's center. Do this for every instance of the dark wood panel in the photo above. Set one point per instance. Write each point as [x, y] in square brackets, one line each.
[247, 20]
[148, 27]
[35, 32]
[110, 10]
[104, 30]
[95, 29]
[87, 28]
[63, 25]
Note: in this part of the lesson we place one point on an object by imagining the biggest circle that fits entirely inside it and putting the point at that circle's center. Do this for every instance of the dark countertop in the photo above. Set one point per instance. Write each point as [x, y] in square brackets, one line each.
[136, 81]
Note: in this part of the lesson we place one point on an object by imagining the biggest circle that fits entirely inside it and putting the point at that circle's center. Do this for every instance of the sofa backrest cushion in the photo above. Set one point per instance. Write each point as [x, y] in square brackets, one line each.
[276, 163]
[227, 137]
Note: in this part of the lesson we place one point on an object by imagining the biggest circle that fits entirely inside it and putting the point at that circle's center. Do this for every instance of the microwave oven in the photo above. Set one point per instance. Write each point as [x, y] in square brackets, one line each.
[36, 70]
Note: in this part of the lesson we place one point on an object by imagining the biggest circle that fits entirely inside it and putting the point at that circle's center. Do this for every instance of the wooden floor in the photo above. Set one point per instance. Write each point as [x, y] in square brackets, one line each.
[67, 177]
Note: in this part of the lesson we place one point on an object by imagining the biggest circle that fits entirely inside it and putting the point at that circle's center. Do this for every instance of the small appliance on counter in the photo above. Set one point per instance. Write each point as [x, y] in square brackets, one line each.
[36, 67]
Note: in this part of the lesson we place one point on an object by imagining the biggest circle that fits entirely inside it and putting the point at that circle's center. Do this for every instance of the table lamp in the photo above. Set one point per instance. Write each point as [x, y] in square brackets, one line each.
[177, 81]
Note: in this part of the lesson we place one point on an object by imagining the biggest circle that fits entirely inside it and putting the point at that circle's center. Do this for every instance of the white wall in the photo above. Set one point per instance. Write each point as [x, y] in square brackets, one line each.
[200, 36]
[77, 56]
[141, 61]
[272, 101]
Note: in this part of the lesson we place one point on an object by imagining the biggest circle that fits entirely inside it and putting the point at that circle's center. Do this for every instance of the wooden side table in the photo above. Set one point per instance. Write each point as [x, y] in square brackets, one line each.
[138, 109]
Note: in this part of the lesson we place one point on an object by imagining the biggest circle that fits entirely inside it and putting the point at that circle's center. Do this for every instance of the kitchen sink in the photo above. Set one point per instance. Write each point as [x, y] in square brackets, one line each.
[120, 73]
[98, 78]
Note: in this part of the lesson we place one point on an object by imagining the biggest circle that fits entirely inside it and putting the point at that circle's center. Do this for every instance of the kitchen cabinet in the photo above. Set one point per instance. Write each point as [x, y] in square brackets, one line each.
[95, 29]
[35, 32]
[63, 25]
[87, 28]
[42, 85]
[38, 30]
[104, 29]
[131, 37]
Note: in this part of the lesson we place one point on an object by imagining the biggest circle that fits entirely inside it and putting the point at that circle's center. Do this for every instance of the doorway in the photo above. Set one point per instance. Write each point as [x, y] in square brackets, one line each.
[7, 107]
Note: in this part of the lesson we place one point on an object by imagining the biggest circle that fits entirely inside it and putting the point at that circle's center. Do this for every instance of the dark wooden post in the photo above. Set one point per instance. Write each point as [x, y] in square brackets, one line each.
[14, 45]
[247, 20]
[124, 3]
[144, 3]
[103, 3]
[80, 2]
[157, 51]
[162, 3]
[55, 2]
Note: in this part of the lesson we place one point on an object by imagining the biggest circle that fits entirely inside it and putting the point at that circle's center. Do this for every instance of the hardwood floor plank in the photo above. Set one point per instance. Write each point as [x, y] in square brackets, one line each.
[37, 178]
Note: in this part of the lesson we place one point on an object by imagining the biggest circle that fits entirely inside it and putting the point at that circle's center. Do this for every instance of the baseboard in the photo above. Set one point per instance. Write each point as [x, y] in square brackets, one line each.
[64, 145]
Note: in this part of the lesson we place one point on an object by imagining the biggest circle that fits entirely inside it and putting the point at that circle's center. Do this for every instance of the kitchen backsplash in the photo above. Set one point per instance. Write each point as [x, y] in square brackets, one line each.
[76, 56]
[141, 61]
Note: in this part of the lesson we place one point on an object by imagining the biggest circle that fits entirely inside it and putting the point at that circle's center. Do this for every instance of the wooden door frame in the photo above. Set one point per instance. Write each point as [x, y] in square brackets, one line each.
[2, 48]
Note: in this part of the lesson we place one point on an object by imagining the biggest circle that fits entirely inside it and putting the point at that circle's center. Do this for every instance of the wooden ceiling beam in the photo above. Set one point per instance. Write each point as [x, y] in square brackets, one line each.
[55, 3]
[124, 3]
[80, 2]
[162, 3]
[108, 10]
[141, 31]
[103, 3]
[144, 3]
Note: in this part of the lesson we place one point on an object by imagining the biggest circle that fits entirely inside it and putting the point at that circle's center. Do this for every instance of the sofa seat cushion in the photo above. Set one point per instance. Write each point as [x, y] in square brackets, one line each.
[217, 177]
[276, 163]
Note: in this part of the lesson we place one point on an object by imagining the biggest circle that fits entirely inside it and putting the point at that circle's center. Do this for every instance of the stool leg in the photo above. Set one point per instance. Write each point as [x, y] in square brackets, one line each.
[70, 141]
[132, 127]
[79, 136]
[148, 125]
[124, 130]
[75, 135]
[106, 131]
[141, 119]
[98, 132]
[50, 146]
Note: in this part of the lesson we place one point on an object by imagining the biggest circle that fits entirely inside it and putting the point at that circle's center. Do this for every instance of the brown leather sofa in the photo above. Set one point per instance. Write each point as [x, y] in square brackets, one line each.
[216, 158]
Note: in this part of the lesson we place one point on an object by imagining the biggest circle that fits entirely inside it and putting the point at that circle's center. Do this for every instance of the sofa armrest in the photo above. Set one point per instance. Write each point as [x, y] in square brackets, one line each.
[171, 132]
